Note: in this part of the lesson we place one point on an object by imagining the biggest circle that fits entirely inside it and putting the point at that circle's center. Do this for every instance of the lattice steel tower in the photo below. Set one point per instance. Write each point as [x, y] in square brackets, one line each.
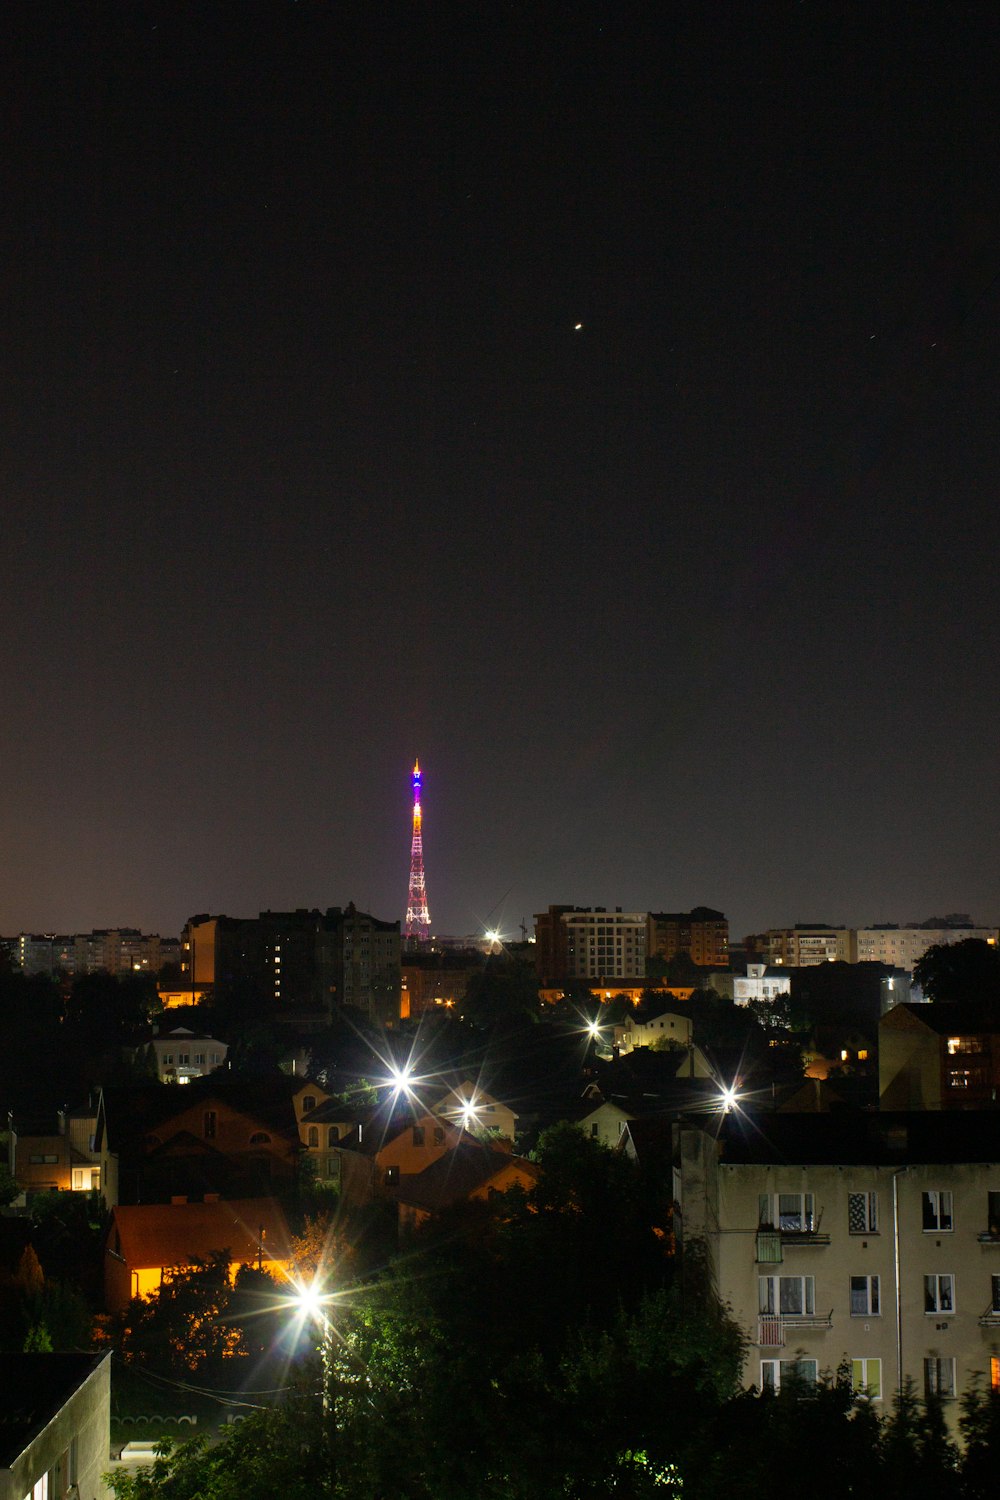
[418, 918]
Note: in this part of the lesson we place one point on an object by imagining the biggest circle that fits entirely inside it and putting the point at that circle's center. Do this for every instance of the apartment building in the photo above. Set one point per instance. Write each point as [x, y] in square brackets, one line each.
[871, 1239]
[114, 950]
[903, 946]
[939, 1057]
[702, 934]
[590, 943]
[798, 947]
[299, 964]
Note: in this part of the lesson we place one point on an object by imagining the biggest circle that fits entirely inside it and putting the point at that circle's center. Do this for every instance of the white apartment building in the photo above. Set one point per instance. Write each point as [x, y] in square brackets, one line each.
[602, 944]
[903, 946]
[871, 1239]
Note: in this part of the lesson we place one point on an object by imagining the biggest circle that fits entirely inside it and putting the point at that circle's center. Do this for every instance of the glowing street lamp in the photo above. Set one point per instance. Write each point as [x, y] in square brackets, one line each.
[400, 1078]
[728, 1097]
[311, 1303]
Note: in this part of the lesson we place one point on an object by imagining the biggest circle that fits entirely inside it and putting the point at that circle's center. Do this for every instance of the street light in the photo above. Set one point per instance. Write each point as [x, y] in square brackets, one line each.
[311, 1304]
[728, 1097]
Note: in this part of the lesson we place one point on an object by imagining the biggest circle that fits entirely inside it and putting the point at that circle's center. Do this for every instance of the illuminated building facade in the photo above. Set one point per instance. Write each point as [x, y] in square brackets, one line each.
[574, 943]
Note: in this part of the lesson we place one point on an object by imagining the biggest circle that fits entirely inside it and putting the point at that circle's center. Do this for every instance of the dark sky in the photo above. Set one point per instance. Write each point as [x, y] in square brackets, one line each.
[307, 469]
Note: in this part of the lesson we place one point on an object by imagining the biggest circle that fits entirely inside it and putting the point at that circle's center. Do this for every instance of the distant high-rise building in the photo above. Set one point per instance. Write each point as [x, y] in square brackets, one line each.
[589, 943]
[807, 943]
[300, 964]
[114, 950]
[418, 917]
[885, 943]
[702, 934]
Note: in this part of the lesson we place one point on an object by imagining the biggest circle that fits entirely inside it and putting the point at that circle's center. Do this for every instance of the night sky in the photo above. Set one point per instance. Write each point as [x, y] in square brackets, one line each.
[308, 470]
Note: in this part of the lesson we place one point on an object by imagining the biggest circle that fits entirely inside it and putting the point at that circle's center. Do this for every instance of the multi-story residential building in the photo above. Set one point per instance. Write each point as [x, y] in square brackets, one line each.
[885, 943]
[299, 964]
[939, 1057]
[114, 950]
[583, 943]
[435, 981]
[806, 943]
[605, 945]
[871, 1239]
[56, 1425]
[702, 934]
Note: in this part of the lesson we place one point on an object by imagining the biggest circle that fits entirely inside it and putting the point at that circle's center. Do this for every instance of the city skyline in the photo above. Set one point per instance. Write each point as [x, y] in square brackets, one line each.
[601, 405]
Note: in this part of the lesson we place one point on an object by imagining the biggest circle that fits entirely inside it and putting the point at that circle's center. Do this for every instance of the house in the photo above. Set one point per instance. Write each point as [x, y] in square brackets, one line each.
[56, 1430]
[939, 1057]
[599, 1118]
[867, 1238]
[62, 1154]
[664, 1030]
[407, 1151]
[324, 1126]
[179, 1055]
[235, 1137]
[470, 1171]
[144, 1240]
[470, 1105]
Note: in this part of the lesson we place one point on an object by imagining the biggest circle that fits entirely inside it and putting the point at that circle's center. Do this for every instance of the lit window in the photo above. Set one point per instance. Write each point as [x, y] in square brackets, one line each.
[866, 1378]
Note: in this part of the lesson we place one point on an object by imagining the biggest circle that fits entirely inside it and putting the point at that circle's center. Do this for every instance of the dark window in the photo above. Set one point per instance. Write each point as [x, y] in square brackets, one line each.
[309, 1102]
[418, 1135]
[313, 1135]
[333, 1135]
[391, 1176]
[210, 1124]
[993, 1212]
[438, 1136]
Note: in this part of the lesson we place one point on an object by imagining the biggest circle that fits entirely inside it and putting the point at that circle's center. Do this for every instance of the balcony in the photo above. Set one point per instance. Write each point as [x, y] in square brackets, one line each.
[768, 1247]
[989, 1237]
[800, 1239]
[771, 1327]
[990, 1318]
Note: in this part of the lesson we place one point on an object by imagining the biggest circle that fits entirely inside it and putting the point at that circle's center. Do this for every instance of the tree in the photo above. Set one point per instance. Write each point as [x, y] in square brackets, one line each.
[199, 1319]
[965, 971]
[276, 1452]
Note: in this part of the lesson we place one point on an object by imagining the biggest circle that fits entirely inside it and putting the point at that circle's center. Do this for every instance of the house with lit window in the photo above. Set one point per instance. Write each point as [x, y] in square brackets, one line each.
[179, 1055]
[145, 1241]
[63, 1155]
[867, 1238]
[56, 1429]
[939, 1057]
[234, 1137]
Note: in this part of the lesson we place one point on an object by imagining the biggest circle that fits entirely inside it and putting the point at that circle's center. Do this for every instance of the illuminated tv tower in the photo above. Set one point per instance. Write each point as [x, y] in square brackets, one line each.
[418, 918]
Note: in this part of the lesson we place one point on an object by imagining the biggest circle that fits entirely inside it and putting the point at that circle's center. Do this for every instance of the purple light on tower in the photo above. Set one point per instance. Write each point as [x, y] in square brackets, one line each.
[418, 918]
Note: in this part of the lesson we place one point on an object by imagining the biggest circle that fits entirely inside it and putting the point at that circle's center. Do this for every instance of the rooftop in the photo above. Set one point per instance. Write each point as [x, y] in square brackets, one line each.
[36, 1388]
